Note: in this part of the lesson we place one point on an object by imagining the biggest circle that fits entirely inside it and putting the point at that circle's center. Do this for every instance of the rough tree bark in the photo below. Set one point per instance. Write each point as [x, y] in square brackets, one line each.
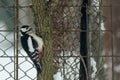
[42, 20]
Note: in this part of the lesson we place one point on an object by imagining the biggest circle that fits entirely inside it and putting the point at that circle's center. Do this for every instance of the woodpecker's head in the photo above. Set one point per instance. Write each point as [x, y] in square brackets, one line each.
[25, 29]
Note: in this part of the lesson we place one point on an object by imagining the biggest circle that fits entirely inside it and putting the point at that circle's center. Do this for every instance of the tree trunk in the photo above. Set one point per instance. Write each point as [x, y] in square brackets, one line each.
[42, 21]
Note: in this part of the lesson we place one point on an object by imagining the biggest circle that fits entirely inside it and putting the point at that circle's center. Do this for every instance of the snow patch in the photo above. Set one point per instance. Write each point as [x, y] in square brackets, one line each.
[93, 64]
[117, 68]
[58, 76]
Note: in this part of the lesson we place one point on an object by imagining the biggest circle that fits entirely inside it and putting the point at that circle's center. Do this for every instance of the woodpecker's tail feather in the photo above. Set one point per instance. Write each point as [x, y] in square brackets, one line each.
[37, 62]
[38, 67]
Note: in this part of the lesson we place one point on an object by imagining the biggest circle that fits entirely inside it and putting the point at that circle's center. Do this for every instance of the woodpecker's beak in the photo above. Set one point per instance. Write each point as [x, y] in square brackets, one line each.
[29, 29]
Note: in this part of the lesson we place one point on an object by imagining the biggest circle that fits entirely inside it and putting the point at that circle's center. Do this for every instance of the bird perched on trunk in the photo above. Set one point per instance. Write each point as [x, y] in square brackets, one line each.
[33, 46]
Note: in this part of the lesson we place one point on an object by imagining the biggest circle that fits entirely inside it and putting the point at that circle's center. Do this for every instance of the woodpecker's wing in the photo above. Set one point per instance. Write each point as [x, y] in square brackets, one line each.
[24, 43]
[34, 53]
[34, 43]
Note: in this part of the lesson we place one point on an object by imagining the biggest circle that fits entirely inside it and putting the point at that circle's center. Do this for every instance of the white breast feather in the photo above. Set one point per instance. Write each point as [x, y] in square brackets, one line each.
[38, 40]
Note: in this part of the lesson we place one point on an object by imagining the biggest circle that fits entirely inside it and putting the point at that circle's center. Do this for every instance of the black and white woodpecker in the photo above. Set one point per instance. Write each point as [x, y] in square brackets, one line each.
[33, 46]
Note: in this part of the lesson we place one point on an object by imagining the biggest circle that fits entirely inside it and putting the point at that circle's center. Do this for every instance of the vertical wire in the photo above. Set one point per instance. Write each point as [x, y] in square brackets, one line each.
[17, 38]
[88, 48]
[112, 43]
[63, 43]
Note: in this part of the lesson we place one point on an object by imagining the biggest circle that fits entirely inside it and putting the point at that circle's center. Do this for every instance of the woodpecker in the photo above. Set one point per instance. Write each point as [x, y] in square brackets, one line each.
[33, 46]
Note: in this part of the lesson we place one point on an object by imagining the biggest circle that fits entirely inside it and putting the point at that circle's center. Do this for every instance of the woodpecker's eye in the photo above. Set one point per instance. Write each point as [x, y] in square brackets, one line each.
[27, 27]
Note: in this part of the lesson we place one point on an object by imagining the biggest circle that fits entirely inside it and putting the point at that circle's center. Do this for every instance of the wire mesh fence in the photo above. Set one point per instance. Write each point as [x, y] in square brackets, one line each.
[102, 39]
